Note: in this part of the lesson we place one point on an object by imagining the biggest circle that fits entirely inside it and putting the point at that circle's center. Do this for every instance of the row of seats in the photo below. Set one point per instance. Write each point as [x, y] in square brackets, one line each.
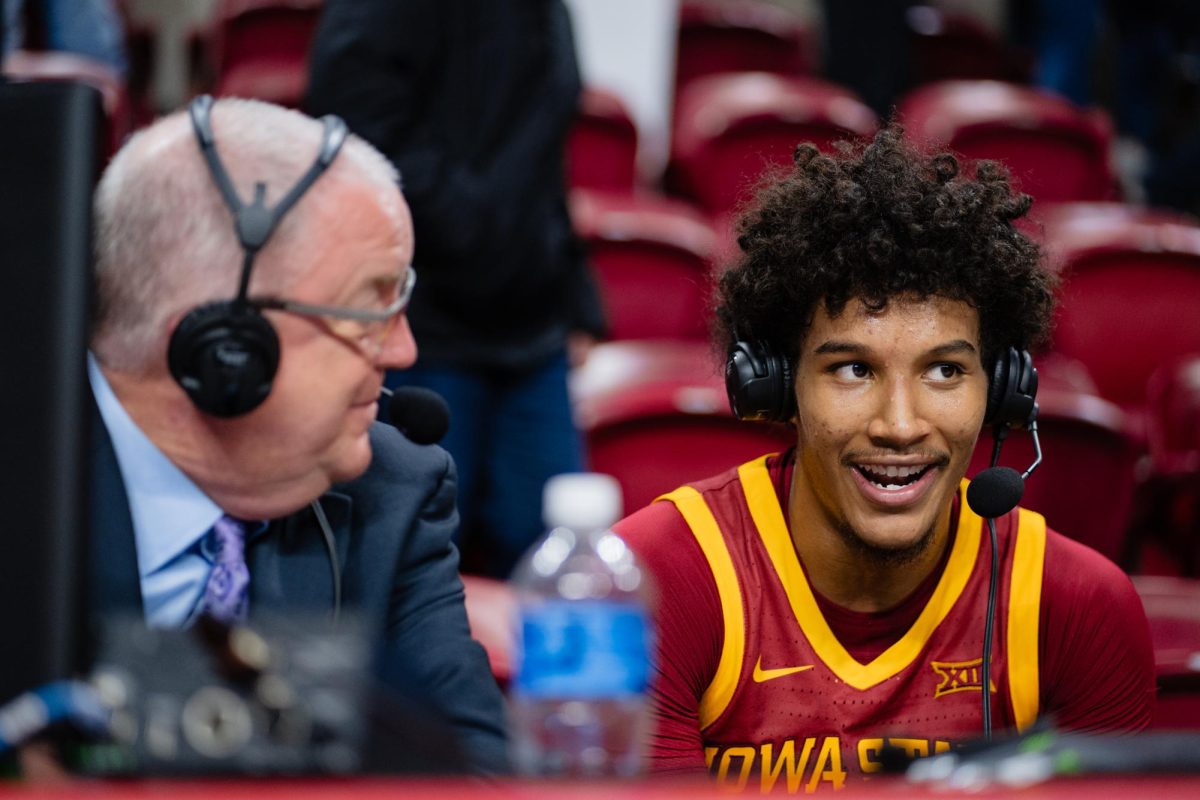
[729, 123]
[258, 47]
[730, 128]
[723, 36]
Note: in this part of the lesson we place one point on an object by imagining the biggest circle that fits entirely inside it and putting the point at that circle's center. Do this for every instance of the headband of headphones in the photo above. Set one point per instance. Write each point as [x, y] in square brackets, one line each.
[225, 354]
[255, 223]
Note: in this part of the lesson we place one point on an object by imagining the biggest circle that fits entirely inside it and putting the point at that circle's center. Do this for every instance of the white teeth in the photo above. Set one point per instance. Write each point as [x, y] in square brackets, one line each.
[892, 471]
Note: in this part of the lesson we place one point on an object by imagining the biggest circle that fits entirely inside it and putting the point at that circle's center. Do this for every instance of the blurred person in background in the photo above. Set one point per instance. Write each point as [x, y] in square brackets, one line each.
[90, 28]
[472, 100]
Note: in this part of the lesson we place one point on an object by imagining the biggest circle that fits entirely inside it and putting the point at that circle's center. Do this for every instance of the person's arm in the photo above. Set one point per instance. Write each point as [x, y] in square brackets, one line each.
[690, 633]
[377, 65]
[428, 639]
[1097, 660]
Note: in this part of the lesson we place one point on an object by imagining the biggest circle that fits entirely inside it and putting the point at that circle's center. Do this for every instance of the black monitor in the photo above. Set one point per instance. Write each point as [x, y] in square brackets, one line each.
[49, 161]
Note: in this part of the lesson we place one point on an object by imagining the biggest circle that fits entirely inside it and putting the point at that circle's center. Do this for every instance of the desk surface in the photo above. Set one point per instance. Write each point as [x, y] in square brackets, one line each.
[1160, 787]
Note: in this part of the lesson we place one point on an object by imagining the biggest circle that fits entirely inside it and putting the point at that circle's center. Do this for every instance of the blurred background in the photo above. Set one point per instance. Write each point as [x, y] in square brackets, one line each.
[1094, 105]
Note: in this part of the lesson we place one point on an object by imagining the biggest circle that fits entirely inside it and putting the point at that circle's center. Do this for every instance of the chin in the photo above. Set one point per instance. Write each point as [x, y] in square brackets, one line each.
[351, 460]
[889, 544]
[894, 537]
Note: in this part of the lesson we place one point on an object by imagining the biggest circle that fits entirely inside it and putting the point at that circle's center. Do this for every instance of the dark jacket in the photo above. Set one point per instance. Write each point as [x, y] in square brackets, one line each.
[392, 529]
[472, 100]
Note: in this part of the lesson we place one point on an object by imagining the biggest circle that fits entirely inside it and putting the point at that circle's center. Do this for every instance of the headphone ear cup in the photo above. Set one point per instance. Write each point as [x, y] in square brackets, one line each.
[997, 385]
[224, 355]
[1012, 393]
[758, 381]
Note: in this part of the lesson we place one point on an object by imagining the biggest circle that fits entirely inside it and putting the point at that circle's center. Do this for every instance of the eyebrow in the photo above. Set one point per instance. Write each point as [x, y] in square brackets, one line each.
[835, 346]
[957, 346]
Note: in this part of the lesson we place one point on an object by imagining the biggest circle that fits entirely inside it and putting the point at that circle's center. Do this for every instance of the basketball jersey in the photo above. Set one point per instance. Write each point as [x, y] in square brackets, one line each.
[789, 706]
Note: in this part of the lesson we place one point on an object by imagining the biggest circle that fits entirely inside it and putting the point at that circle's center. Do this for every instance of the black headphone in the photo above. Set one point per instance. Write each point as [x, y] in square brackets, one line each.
[224, 354]
[759, 382]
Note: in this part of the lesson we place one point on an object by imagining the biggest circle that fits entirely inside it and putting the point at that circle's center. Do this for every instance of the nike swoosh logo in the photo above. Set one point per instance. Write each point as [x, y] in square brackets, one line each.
[763, 675]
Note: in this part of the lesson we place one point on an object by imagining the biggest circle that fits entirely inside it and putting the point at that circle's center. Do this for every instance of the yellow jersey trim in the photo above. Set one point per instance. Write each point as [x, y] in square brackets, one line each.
[1024, 617]
[768, 517]
[733, 648]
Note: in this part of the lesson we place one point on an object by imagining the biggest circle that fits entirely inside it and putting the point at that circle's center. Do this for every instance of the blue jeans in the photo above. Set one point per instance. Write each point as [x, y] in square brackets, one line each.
[89, 27]
[509, 433]
[1067, 37]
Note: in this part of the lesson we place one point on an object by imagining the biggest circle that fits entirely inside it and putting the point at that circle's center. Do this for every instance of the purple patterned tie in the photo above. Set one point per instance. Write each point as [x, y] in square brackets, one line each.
[226, 595]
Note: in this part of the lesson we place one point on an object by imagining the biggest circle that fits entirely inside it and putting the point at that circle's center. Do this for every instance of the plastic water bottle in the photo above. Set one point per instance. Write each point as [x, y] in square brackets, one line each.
[585, 640]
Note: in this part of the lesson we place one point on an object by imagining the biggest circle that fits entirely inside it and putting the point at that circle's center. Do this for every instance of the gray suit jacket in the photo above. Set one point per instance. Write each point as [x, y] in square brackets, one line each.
[392, 529]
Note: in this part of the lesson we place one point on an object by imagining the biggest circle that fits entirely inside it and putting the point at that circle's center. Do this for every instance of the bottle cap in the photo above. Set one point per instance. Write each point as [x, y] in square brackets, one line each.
[581, 501]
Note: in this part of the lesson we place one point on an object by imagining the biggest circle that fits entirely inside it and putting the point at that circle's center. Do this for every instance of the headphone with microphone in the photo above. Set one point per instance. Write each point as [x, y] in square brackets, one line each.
[225, 354]
[760, 385]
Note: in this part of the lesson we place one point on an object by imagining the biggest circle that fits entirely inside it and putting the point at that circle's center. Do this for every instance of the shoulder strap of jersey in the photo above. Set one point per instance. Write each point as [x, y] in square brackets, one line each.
[1024, 618]
[700, 519]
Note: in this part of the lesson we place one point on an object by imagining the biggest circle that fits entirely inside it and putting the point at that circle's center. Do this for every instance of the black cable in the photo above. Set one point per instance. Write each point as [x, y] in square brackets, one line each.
[989, 623]
[334, 565]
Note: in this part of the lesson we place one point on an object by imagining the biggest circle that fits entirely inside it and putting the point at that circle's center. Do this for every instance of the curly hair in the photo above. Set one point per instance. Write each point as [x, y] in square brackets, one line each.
[874, 222]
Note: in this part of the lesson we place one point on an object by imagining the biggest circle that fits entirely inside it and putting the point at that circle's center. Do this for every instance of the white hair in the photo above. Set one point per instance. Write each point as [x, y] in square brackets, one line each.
[165, 240]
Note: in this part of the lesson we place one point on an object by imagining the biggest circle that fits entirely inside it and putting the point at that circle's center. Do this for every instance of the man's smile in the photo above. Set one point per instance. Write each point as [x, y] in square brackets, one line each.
[894, 487]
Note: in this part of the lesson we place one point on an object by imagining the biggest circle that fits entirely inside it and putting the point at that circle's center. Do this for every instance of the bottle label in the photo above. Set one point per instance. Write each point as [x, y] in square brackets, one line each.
[583, 649]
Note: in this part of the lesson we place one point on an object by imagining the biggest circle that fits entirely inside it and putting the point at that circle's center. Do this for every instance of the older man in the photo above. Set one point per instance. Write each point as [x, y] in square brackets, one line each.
[252, 278]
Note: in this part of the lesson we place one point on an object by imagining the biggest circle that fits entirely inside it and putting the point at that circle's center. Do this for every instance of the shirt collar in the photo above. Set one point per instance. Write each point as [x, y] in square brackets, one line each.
[169, 511]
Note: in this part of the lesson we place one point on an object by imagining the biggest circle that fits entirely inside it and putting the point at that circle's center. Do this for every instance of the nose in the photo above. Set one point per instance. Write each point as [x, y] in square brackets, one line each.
[898, 422]
[399, 348]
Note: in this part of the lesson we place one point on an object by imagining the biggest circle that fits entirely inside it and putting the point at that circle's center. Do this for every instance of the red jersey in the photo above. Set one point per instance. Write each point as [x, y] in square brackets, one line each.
[784, 688]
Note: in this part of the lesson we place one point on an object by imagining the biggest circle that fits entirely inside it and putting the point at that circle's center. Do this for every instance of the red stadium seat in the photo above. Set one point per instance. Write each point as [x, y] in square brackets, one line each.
[1173, 435]
[602, 149]
[1055, 150]
[260, 48]
[1173, 418]
[1131, 287]
[26, 65]
[612, 367]
[1173, 608]
[950, 45]
[730, 129]
[1086, 482]
[652, 257]
[658, 417]
[719, 36]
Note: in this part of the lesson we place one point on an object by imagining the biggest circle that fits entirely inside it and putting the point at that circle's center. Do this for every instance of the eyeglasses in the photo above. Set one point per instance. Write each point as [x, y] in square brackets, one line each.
[370, 328]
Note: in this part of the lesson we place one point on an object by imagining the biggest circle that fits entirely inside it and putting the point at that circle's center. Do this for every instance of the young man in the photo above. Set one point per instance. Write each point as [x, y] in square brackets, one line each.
[818, 605]
[237, 467]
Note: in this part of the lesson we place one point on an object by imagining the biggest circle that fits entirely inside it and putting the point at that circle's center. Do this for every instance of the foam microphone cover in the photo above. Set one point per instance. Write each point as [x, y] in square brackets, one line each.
[420, 414]
[995, 491]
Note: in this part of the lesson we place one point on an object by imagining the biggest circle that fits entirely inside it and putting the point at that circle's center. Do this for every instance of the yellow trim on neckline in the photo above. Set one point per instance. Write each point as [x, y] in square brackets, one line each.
[768, 517]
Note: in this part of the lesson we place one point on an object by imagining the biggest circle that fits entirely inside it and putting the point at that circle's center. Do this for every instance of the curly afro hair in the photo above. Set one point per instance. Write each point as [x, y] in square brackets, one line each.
[875, 222]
